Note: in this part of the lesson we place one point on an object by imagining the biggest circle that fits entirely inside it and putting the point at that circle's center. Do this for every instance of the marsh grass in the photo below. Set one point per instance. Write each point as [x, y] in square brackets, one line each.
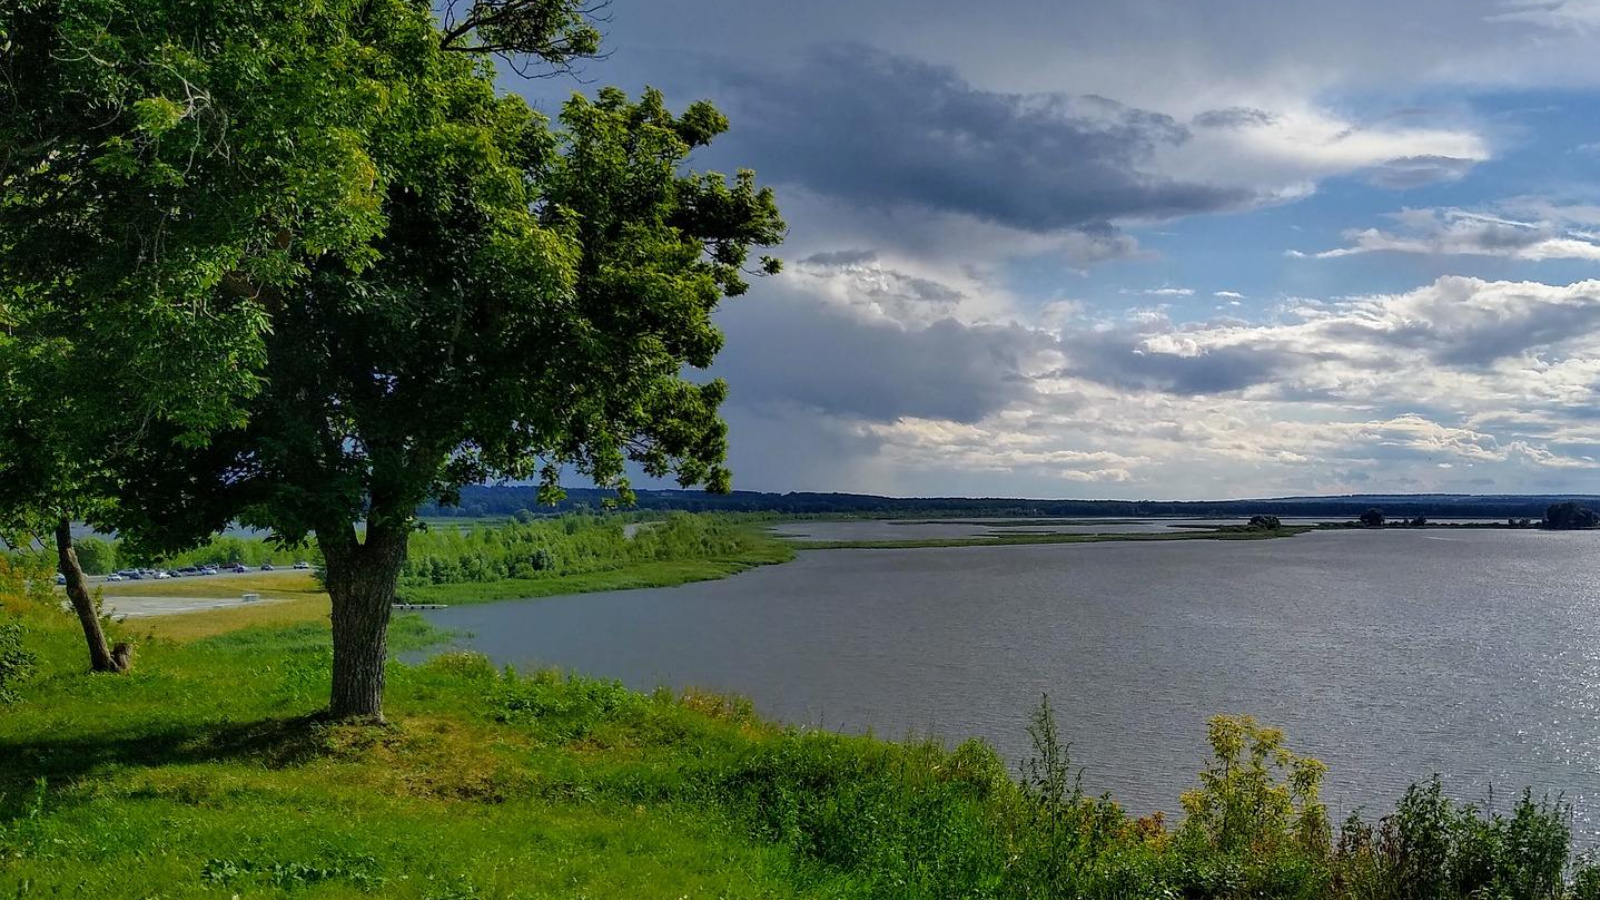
[650, 574]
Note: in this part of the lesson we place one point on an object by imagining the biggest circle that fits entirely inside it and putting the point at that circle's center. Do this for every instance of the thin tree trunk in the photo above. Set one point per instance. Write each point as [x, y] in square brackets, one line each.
[361, 578]
[100, 658]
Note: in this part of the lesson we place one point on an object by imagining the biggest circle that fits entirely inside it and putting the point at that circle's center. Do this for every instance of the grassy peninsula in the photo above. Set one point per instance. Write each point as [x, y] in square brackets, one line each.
[1013, 538]
[582, 554]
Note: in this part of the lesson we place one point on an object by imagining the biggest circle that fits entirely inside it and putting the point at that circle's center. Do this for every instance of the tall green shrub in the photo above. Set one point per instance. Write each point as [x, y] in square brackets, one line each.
[96, 556]
[1254, 795]
[24, 587]
[568, 545]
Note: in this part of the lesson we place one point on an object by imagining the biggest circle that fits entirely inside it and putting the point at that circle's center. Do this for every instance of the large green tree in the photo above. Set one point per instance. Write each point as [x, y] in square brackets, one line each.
[380, 277]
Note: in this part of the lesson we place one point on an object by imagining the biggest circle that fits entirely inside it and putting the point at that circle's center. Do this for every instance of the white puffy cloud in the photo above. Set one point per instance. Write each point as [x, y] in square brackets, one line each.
[1461, 384]
[1162, 292]
[1285, 151]
[914, 443]
[1581, 15]
[1458, 232]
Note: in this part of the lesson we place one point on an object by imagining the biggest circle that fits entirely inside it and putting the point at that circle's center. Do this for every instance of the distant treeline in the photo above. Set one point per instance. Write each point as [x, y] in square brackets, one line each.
[477, 502]
[102, 556]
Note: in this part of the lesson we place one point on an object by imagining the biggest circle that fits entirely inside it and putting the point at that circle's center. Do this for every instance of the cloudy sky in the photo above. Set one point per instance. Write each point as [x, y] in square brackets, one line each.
[1154, 248]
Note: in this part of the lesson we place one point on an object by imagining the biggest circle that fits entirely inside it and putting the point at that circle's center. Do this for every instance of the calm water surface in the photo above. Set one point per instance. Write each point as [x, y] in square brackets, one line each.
[1390, 656]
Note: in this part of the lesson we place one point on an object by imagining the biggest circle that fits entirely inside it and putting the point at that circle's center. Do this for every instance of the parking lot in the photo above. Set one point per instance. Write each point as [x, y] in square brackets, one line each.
[170, 596]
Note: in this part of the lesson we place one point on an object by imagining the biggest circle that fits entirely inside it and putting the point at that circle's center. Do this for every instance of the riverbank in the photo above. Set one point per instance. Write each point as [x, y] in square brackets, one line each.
[297, 598]
[747, 545]
[206, 773]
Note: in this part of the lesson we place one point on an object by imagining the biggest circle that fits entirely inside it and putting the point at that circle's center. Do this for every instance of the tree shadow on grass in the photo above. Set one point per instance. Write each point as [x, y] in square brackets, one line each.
[272, 743]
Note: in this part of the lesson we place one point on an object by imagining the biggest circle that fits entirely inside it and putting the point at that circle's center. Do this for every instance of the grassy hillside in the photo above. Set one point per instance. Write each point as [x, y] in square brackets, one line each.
[206, 773]
[201, 776]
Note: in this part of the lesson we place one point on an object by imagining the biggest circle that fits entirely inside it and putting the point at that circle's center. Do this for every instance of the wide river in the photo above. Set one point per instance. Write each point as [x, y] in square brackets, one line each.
[1390, 656]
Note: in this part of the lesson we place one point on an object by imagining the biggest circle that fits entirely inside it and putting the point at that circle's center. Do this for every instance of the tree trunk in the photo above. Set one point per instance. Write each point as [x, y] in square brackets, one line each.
[361, 578]
[100, 658]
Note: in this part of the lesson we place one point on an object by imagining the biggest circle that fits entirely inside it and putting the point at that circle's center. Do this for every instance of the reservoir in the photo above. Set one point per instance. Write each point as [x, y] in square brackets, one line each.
[1389, 655]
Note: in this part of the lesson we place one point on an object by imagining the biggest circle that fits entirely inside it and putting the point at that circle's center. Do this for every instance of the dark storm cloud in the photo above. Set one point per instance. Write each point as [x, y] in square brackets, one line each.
[876, 128]
[814, 356]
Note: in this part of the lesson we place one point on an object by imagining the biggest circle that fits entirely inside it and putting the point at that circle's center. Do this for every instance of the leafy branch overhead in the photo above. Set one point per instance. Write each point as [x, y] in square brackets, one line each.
[535, 38]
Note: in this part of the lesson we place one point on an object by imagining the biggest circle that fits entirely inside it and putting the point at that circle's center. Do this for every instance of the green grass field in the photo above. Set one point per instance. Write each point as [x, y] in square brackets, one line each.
[201, 775]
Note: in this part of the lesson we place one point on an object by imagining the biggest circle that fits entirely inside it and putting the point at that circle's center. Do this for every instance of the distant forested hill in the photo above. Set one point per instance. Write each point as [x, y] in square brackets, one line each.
[507, 500]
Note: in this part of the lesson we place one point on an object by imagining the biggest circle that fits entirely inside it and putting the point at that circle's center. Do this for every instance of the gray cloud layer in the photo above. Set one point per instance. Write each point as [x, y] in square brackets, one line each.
[862, 124]
[834, 362]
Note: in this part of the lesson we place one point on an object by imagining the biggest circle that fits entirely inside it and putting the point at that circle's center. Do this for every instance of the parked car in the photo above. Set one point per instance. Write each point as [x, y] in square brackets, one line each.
[114, 576]
[187, 572]
[161, 573]
[302, 564]
[208, 570]
[60, 578]
[237, 568]
[266, 567]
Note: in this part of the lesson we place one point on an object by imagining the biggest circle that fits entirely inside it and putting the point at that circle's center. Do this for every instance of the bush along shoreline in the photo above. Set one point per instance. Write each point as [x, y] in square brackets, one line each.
[208, 772]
